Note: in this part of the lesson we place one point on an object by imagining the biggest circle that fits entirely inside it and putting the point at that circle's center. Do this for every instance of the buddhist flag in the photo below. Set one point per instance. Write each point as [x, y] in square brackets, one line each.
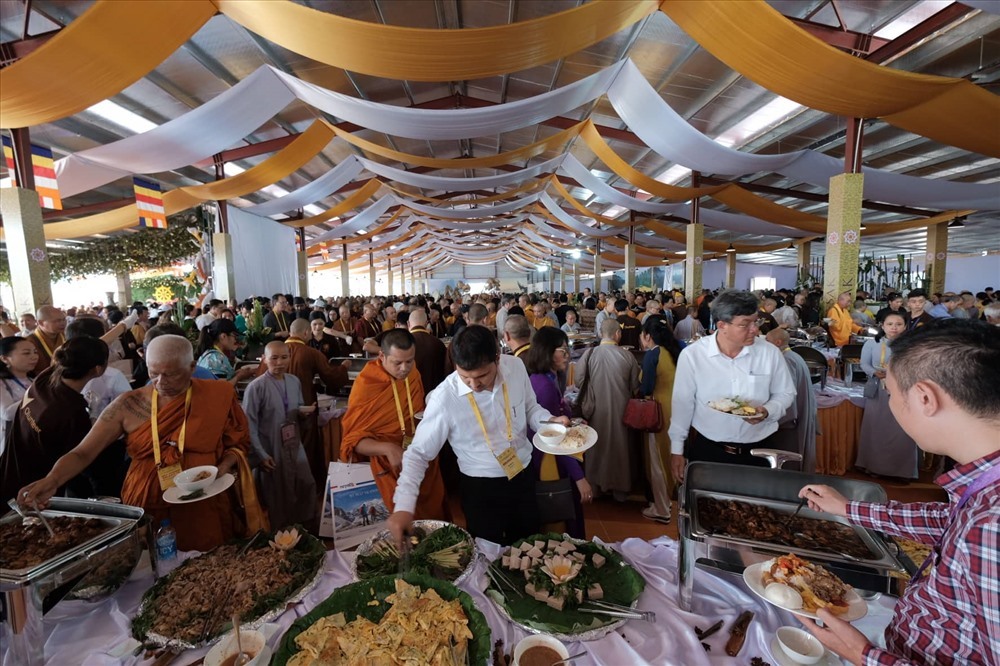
[149, 202]
[44, 170]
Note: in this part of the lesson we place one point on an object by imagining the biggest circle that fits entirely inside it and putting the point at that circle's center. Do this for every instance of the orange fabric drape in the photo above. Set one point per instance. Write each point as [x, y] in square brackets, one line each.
[761, 44]
[837, 447]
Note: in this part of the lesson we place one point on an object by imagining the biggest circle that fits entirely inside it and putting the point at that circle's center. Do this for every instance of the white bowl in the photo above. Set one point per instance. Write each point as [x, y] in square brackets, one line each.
[539, 639]
[185, 480]
[253, 643]
[800, 646]
[552, 434]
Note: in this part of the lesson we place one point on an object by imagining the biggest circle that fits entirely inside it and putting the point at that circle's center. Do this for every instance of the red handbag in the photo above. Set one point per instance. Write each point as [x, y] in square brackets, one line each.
[643, 414]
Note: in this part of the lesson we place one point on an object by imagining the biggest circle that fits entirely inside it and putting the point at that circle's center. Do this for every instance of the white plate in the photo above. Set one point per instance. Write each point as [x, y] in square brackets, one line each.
[562, 450]
[173, 495]
[779, 655]
[745, 417]
[753, 576]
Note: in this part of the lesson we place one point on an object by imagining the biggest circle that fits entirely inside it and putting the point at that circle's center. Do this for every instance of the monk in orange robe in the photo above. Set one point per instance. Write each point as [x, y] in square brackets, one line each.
[379, 423]
[204, 413]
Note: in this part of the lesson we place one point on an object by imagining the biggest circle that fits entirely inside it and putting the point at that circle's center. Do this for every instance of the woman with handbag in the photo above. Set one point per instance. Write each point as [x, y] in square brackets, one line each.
[561, 486]
[884, 448]
[658, 367]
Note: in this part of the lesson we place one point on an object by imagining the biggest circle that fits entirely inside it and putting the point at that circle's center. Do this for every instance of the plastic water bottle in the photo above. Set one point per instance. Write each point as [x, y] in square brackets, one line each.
[166, 548]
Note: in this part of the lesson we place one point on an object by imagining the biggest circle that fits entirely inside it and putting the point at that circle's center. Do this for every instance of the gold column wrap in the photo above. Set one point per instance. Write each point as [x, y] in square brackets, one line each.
[730, 270]
[420, 54]
[345, 275]
[803, 255]
[937, 256]
[843, 237]
[109, 47]
[576, 277]
[597, 272]
[26, 253]
[630, 267]
[761, 44]
[275, 168]
[302, 269]
[695, 251]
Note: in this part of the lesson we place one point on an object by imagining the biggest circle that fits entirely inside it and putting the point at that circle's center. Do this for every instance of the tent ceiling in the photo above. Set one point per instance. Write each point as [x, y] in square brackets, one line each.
[713, 98]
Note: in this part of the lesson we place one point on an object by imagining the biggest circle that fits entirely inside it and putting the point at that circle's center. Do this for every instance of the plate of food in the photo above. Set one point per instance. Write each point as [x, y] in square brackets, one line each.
[736, 407]
[556, 585]
[561, 441]
[413, 619]
[803, 587]
[437, 548]
[256, 577]
[176, 495]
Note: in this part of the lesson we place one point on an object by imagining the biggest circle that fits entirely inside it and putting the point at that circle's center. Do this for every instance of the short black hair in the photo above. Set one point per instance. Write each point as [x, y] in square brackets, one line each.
[85, 326]
[972, 348]
[915, 293]
[621, 305]
[473, 347]
[399, 338]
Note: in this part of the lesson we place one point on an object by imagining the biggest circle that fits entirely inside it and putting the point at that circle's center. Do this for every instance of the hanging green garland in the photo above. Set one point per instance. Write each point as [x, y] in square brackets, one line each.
[126, 253]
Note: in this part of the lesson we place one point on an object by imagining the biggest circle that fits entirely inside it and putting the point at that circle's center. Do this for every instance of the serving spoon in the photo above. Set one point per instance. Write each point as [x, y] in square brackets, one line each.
[241, 657]
[12, 503]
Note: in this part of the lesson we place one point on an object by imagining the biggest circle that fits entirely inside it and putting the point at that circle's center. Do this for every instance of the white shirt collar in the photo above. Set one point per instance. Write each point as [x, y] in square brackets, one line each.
[462, 389]
[713, 347]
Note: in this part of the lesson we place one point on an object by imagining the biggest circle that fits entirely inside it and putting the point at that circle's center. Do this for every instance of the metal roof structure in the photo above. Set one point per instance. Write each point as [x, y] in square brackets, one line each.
[927, 36]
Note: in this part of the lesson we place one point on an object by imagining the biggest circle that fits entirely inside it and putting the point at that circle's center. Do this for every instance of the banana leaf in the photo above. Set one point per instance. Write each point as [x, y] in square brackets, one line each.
[620, 582]
[352, 600]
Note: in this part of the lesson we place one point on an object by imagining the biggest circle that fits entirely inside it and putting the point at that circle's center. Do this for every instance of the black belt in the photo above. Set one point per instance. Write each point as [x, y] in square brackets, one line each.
[731, 449]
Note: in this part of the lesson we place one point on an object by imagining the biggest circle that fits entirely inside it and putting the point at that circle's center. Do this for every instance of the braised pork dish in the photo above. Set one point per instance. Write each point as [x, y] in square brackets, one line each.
[26, 545]
[754, 522]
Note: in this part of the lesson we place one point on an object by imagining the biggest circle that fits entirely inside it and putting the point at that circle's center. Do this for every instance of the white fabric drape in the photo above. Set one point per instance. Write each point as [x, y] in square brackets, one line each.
[263, 255]
[574, 169]
[668, 134]
[360, 222]
[572, 222]
[322, 187]
[470, 226]
[468, 213]
[428, 182]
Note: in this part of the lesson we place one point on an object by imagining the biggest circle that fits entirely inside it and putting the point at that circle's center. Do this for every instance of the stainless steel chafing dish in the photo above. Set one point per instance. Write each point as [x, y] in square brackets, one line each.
[91, 570]
[777, 489]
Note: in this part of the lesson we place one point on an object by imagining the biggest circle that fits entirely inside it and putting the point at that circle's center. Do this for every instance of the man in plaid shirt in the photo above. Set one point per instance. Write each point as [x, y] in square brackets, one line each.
[945, 393]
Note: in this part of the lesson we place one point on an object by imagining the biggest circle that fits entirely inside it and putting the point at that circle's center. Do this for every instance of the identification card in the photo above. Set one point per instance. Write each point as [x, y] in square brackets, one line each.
[510, 462]
[288, 435]
[407, 440]
[166, 475]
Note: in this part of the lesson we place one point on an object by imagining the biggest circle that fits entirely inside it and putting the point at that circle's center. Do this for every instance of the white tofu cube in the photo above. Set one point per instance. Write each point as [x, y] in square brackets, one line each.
[598, 560]
[595, 591]
[505, 561]
[539, 544]
[556, 602]
[525, 563]
[515, 562]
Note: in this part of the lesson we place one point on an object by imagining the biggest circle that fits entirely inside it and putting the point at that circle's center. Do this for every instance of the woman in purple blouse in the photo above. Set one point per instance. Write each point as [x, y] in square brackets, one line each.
[549, 354]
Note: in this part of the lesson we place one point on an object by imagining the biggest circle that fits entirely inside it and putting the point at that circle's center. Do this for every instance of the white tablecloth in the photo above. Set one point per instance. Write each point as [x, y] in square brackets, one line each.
[837, 391]
[88, 634]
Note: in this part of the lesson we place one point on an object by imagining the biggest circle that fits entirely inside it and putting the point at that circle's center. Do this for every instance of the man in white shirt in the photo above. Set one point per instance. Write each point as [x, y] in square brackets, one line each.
[732, 363]
[483, 409]
[213, 312]
[504, 310]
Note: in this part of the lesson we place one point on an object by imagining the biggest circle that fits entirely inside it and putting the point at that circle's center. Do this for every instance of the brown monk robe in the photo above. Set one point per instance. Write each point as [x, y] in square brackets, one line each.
[306, 363]
[215, 423]
[49, 335]
[372, 415]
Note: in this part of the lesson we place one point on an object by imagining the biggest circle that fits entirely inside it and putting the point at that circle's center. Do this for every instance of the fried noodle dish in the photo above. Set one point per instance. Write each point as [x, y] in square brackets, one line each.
[819, 588]
[419, 628]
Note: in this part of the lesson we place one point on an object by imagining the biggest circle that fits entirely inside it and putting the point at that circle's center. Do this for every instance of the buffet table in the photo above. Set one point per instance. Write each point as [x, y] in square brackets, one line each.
[98, 634]
[840, 408]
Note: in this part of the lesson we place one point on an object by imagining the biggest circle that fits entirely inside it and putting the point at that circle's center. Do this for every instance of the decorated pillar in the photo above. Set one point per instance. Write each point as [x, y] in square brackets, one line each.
[124, 293]
[223, 275]
[843, 235]
[26, 253]
[576, 276]
[388, 277]
[371, 273]
[302, 268]
[345, 274]
[597, 268]
[803, 256]
[730, 270]
[937, 256]
[693, 260]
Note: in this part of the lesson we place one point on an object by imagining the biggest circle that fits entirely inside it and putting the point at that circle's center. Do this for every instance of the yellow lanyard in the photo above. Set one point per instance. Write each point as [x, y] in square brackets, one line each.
[60, 340]
[419, 330]
[399, 406]
[280, 318]
[156, 427]
[343, 326]
[881, 362]
[518, 352]
[482, 425]
[294, 341]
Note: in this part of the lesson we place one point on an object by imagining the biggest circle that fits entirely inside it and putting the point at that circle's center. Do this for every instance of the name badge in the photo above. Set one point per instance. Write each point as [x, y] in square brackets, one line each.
[166, 474]
[510, 462]
[407, 440]
[288, 435]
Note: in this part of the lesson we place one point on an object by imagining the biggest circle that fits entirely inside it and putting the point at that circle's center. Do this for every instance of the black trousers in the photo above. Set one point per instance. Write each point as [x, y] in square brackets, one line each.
[498, 509]
[701, 448]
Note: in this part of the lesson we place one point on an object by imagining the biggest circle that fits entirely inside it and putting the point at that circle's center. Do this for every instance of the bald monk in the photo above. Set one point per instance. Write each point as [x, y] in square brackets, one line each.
[210, 427]
[433, 361]
[379, 422]
[51, 333]
[306, 363]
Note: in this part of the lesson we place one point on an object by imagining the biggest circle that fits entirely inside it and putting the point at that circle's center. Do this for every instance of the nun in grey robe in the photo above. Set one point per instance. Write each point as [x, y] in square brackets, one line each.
[797, 428]
[288, 492]
[608, 376]
[885, 448]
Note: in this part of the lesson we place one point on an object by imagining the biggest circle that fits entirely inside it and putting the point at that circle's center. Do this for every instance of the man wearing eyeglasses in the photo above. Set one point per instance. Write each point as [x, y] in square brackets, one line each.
[733, 363]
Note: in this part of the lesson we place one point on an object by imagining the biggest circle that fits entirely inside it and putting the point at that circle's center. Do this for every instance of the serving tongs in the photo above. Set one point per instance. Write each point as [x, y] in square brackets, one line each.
[596, 607]
[35, 514]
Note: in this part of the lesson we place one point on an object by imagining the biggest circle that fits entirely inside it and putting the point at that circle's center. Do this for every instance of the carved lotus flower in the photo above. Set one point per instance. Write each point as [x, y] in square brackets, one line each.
[561, 569]
[285, 540]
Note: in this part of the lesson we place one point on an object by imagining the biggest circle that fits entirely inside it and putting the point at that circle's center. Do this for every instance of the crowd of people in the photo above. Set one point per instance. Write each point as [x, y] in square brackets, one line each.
[108, 402]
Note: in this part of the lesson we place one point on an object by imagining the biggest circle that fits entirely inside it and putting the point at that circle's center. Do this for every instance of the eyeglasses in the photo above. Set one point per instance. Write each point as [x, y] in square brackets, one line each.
[562, 350]
[747, 324]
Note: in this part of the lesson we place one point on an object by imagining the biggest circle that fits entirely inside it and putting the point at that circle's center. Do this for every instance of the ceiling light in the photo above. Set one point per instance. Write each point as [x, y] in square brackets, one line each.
[730, 248]
[575, 254]
[122, 117]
